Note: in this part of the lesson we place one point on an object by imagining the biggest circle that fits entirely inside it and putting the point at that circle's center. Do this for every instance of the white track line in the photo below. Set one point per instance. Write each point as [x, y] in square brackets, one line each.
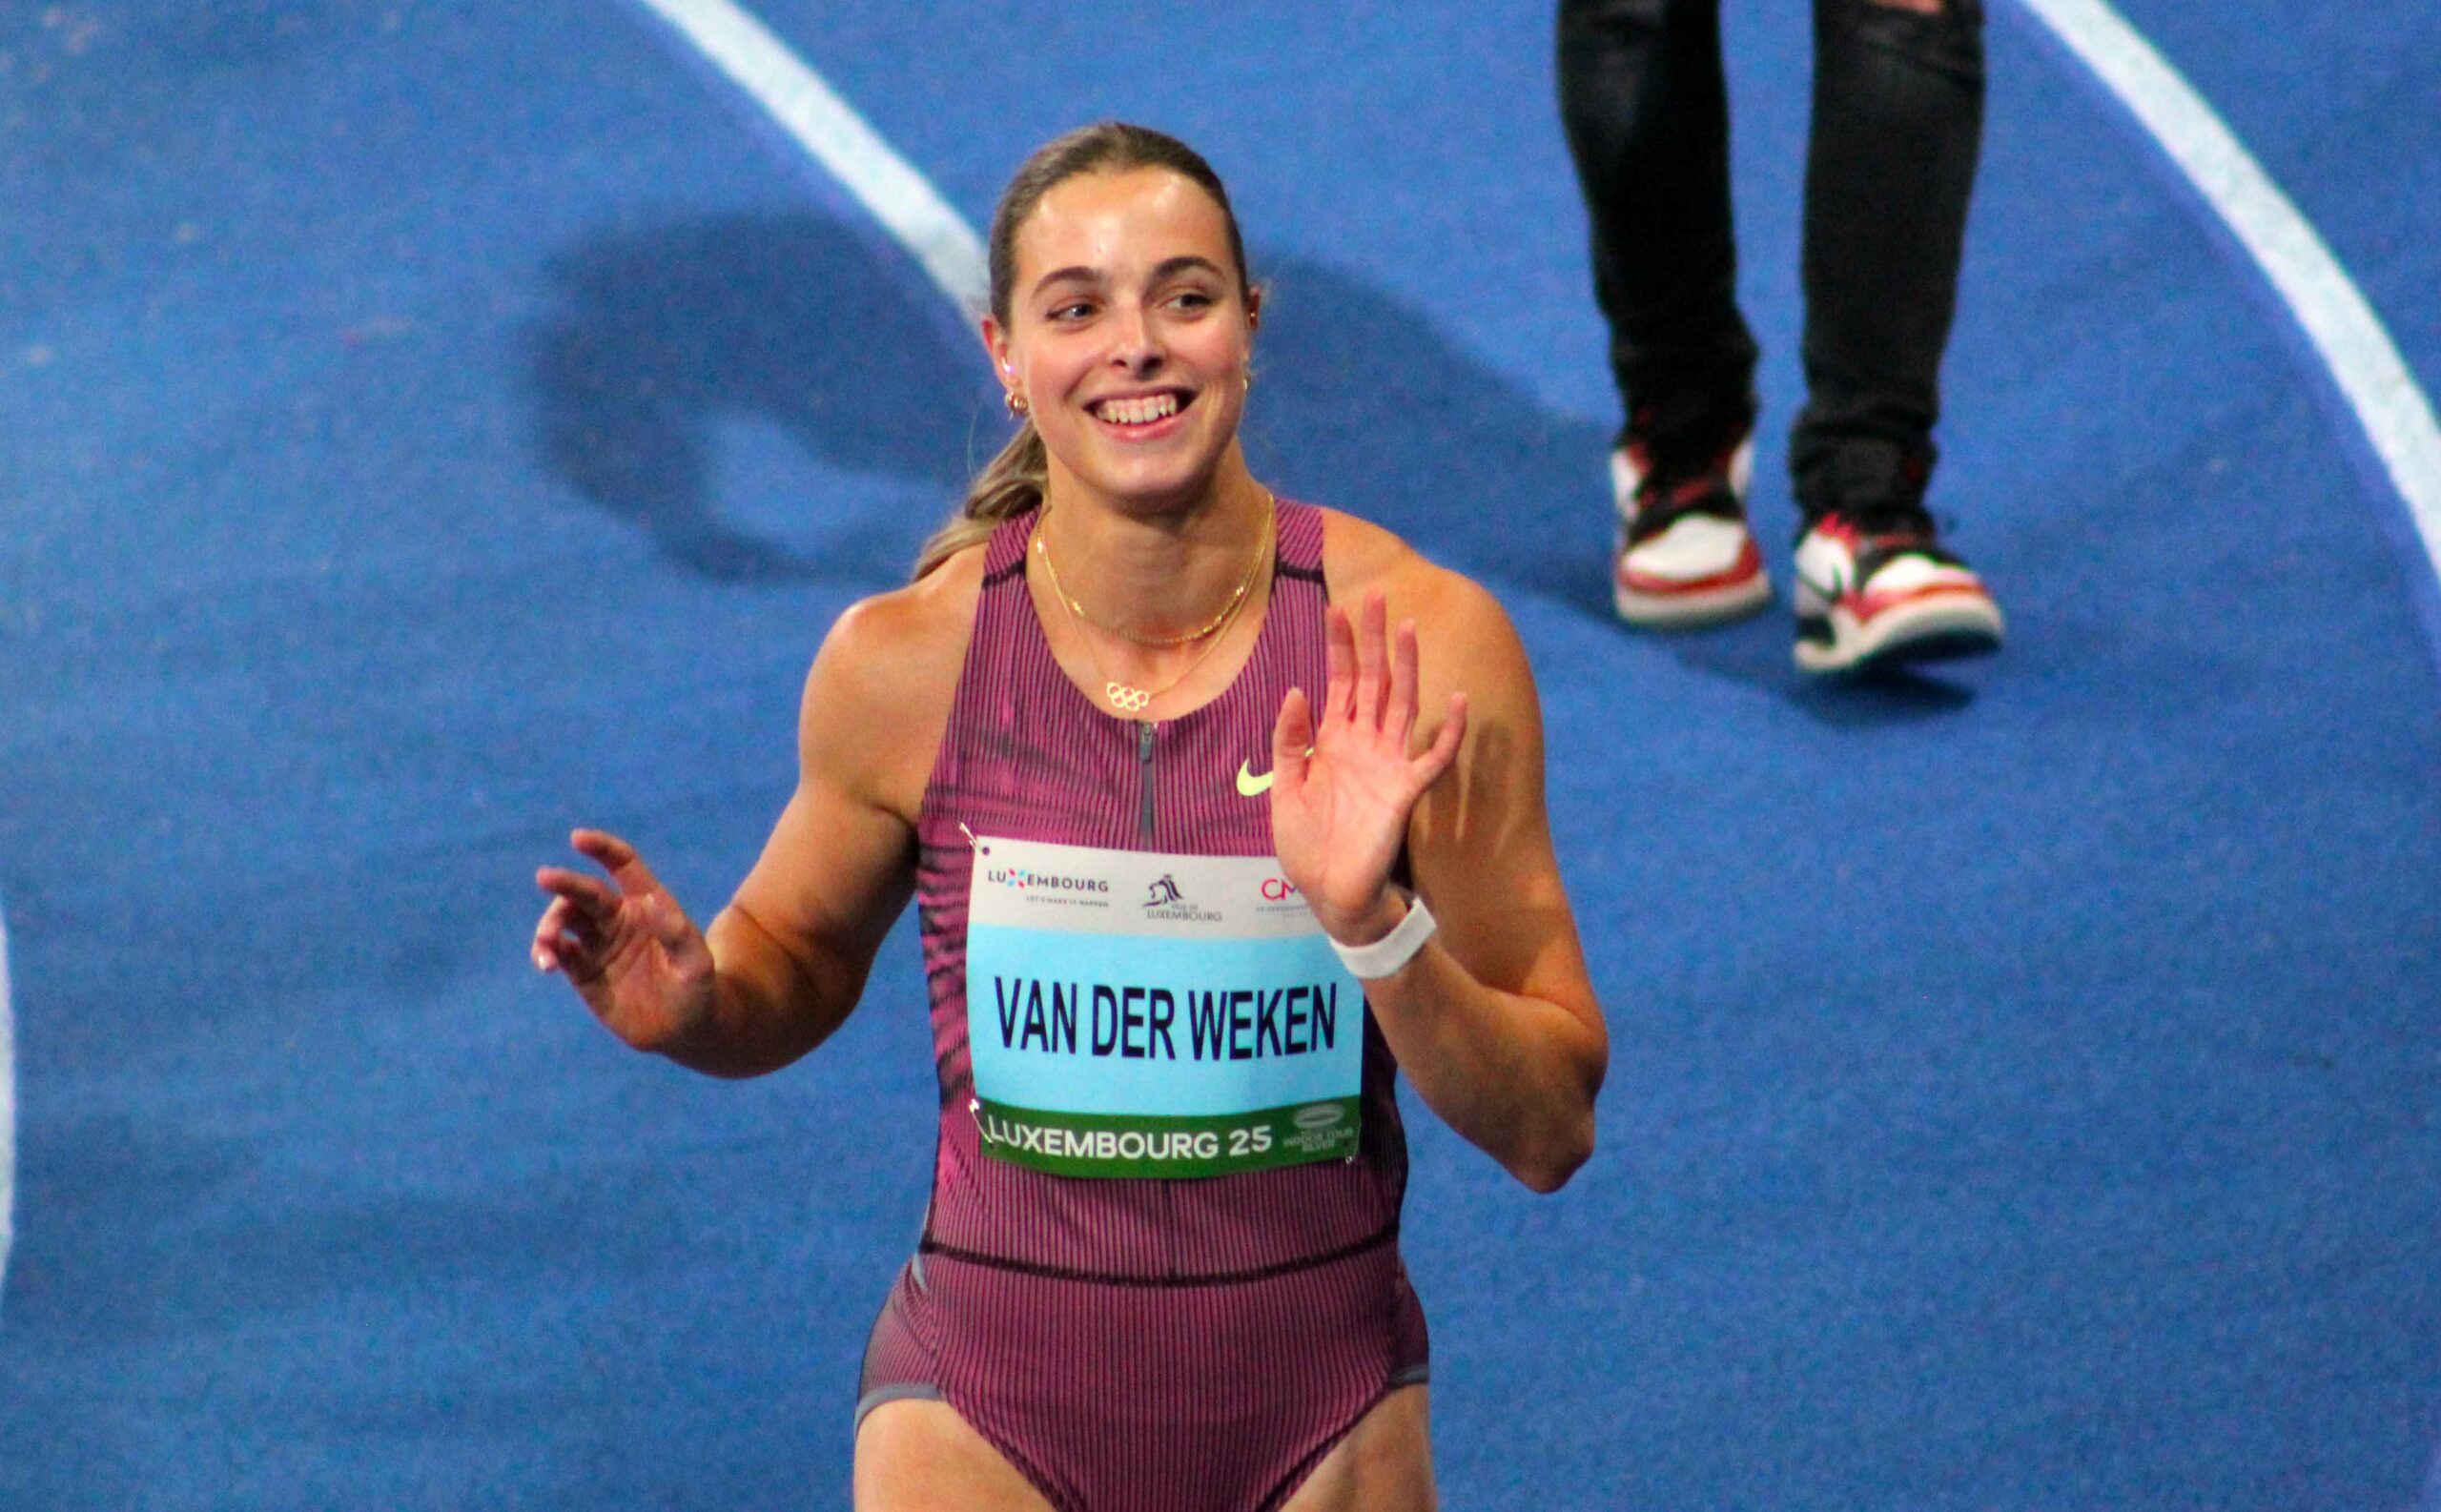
[2376, 382]
[828, 128]
[8, 1111]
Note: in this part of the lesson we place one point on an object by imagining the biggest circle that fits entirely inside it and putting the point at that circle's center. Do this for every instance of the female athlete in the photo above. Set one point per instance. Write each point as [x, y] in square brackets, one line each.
[1206, 852]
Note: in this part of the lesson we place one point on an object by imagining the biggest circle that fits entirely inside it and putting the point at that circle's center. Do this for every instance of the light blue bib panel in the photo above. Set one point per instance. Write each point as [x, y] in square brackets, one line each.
[1137, 1014]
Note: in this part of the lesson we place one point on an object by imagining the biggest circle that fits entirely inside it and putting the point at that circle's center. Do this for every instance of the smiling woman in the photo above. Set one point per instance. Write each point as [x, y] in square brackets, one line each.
[1169, 994]
[1189, 288]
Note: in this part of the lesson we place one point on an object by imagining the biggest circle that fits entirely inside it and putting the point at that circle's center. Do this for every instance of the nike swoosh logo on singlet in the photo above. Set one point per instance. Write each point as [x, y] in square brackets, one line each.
[1250, 785]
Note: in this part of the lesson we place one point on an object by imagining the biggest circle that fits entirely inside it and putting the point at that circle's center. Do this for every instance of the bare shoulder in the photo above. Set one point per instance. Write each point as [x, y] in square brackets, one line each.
[877, 699]
[916, 631]
[1462, 631]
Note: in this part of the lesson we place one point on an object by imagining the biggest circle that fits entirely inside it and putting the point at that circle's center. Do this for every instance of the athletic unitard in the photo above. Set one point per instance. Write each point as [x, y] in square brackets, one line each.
[1138, 1344]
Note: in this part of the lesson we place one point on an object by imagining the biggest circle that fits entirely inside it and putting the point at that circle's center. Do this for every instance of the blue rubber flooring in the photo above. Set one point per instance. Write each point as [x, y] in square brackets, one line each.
[426, 427]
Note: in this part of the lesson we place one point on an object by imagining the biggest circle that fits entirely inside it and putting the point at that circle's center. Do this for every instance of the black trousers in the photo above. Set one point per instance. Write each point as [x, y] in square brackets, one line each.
[1898, 122]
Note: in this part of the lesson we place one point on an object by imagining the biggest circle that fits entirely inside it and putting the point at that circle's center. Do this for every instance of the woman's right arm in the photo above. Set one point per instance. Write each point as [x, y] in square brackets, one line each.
[782, 966]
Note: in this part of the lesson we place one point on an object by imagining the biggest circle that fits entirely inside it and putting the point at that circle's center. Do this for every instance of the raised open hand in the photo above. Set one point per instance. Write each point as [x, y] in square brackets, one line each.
[624, 944]
[1343, 786]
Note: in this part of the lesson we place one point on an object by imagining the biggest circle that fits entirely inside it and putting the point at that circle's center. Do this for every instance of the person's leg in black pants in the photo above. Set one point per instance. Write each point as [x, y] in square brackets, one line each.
[1898, 120]
[1647, 113]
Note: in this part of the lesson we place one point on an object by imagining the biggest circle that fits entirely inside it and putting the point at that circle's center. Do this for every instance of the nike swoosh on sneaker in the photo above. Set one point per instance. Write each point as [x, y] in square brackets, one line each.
[1251, 786]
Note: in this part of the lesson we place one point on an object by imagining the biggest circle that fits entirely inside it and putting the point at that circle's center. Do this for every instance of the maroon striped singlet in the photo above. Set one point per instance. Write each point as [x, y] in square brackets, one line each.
[1138, 1344]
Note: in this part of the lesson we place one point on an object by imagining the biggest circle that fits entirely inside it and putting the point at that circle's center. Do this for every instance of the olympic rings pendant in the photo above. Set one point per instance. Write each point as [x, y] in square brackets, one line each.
[1126, 700]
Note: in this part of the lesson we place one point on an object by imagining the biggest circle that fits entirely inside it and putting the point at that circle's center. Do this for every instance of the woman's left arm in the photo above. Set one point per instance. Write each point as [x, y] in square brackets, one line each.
[1494, 1019]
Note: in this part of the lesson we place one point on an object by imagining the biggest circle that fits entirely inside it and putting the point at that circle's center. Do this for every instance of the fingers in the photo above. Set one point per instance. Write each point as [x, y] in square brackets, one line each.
[603, 847]
[1400, 722]
[581, 914]
[1446, 742]
[1372, 660]
[548, 936]
[618, 858]
[1372, 684]
[566, 940]
[585, 909]
[1292, 742]
[1338, 640]
[629, 876]
[589, 893]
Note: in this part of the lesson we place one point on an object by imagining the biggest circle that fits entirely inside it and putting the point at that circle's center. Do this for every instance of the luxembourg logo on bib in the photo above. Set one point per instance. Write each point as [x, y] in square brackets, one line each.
[1132, 1013]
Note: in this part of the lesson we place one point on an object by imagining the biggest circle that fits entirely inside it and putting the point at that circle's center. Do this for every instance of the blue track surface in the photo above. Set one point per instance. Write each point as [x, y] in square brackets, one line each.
[426, 427]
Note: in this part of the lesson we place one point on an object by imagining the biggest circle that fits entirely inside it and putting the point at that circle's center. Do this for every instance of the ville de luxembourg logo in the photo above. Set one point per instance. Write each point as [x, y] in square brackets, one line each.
[1162, 900]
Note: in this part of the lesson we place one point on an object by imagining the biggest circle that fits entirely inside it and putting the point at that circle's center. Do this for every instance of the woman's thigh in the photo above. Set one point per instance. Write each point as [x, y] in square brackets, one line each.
[1385, 1464]
[922, 1457]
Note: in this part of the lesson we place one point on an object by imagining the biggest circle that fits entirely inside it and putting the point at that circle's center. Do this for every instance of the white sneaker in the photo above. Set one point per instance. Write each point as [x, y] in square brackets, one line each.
[1871, 597]
[1685, 557]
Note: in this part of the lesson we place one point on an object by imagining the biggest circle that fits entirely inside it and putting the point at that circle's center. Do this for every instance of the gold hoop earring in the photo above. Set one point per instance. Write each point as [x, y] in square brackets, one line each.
[1016, 403]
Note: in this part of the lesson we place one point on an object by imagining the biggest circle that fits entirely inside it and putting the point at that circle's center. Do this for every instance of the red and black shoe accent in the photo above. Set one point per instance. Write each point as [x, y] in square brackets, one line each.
[1871, 592]
[1685, 555]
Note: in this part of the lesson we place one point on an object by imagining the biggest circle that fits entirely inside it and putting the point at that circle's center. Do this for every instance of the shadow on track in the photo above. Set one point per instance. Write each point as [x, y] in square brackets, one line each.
[791, 321]
[813, 328]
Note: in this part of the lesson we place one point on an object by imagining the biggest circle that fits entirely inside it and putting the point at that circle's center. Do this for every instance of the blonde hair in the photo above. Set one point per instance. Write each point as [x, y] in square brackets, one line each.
[1013, 483]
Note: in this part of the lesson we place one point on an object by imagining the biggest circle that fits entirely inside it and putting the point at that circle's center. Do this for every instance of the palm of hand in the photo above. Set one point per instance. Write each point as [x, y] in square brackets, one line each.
[648, 992]
[1345, 785]
[1338, 832]
[624, 944]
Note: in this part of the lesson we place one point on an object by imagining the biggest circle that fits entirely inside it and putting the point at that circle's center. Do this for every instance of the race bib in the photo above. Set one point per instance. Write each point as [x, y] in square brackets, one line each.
[1137, 1014]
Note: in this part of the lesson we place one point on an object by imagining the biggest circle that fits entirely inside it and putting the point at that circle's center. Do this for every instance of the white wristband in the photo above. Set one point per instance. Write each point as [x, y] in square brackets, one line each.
[1370, 962]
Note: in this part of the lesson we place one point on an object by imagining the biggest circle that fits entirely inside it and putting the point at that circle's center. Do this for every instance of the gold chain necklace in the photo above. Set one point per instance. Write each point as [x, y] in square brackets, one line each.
[1159, 643]
[1124, 697]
